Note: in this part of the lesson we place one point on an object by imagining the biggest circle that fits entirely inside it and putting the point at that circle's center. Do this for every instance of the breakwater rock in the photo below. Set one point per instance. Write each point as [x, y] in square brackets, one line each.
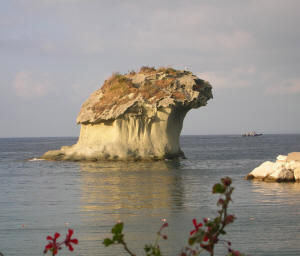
[284, 169]
[136, 116]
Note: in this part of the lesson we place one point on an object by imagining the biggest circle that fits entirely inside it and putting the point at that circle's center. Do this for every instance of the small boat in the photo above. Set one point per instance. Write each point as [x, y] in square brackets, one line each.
[251, 134]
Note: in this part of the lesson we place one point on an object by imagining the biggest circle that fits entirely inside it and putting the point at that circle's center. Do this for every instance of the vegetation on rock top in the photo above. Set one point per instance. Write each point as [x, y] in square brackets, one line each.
[147, 89]
[149, 84]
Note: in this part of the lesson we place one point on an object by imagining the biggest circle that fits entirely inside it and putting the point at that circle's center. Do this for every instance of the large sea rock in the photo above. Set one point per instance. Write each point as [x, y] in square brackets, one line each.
[136, 116]
[284, 169]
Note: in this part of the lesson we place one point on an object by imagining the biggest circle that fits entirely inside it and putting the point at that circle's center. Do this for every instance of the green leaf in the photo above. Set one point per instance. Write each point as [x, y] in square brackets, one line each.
[107, 242]
[147, 248]
[192, 240]
[223, 232]
[218, 188]
[217, 219]
[119, 238]
[210, 224]
[118, 228]
[152, 250]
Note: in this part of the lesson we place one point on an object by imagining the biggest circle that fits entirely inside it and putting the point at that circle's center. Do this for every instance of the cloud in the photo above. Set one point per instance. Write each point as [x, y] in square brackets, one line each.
[289, 87]
[78, 28]
[30, 85]
[232, 78]
[251, 45]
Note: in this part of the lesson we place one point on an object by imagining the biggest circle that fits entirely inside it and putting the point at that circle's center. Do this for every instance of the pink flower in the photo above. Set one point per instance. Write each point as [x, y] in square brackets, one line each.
[164, 225]
[69, 241]
[197, 226]
[53, 245]
[236, 253]
[221, 201]
[226, 181]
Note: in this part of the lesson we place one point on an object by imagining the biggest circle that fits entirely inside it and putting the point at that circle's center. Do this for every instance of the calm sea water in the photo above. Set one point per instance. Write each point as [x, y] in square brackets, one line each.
[38, 198]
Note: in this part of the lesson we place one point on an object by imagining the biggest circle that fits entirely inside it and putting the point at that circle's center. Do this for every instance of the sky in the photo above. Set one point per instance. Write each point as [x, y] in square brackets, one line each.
[55, 53]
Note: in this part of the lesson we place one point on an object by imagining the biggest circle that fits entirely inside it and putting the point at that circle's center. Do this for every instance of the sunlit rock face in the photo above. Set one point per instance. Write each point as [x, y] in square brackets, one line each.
[136, 116]
[285, 169]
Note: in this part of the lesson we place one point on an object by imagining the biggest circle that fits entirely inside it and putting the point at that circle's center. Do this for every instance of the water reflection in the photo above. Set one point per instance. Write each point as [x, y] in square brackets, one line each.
[267, 210]
[129, 188]
[138, 193]
[274, 192]
[131, 165]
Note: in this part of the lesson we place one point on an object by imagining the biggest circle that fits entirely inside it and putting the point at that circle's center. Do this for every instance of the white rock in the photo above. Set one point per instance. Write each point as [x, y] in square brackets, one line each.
[293, 156]
[297, 174]
[279, 165]
[281, 174]
[263, 170]
[281, 158]
[286, 168]
[292, 165]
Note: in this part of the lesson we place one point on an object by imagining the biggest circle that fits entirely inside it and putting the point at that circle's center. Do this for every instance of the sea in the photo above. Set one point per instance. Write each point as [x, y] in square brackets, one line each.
[39, 198]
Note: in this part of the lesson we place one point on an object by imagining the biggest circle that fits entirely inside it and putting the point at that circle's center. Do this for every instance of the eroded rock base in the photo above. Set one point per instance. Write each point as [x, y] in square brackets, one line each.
[150, 136]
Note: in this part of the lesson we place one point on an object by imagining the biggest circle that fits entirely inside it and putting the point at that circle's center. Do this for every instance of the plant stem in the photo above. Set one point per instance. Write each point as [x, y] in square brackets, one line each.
[127, 249]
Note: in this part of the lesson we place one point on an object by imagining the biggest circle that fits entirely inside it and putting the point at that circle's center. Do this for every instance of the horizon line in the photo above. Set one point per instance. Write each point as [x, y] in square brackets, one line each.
[212, 134]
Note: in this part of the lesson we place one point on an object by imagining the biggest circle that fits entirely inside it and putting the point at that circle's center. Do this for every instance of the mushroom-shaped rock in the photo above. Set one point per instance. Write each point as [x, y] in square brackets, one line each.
[136, 116]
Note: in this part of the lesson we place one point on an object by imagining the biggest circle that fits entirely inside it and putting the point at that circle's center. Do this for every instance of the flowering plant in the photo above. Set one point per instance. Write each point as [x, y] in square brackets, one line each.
[54, 246]
[204, 236]
[118, 238]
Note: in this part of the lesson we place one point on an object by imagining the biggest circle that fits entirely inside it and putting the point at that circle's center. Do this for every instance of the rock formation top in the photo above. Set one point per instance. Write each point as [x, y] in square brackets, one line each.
[149, 89]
